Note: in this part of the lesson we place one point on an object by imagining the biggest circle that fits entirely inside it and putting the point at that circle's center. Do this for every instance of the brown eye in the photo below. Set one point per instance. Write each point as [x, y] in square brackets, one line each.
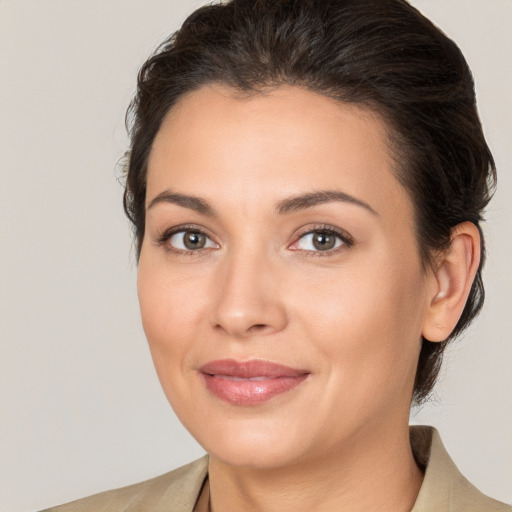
[194, 240]
[323, 241]
[190, 240]
[320, 241]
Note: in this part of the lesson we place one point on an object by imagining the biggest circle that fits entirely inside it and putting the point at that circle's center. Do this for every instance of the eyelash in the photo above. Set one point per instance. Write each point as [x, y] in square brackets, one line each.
[346, 239]
[324, 229]
[168, 234]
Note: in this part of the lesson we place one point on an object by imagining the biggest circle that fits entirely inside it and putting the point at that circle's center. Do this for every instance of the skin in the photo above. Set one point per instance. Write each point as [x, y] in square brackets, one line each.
[352, 316]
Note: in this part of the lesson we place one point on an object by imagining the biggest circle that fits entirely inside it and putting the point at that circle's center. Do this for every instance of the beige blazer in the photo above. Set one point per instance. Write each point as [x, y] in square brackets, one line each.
[444, 489]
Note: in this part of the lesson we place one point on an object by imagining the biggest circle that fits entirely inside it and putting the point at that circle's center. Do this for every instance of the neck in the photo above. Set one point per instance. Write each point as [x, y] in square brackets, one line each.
[376, 472]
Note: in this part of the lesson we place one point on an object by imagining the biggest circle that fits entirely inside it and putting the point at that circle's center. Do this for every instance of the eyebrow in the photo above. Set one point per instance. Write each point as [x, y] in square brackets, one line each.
[192, 202]
[288, 205]
[304, 201]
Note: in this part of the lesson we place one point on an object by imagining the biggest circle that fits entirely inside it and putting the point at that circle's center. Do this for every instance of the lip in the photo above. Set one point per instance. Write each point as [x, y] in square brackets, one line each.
[250, 382]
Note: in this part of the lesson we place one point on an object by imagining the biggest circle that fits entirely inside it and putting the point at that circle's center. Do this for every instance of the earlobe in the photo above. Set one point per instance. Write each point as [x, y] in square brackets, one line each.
[452, 280]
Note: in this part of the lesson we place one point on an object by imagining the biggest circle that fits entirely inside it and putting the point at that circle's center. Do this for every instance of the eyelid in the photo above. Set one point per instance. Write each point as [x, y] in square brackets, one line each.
[166, 235]
[343, 235]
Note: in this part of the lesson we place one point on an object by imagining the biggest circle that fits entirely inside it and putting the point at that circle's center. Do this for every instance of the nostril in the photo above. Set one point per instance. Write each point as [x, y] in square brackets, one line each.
[258, 327]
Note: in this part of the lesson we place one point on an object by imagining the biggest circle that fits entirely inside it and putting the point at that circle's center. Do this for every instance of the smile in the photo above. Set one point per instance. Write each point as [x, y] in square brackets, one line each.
[249, 382]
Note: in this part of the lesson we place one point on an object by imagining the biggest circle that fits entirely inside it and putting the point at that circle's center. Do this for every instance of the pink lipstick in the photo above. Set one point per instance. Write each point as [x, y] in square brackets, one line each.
[249, 382]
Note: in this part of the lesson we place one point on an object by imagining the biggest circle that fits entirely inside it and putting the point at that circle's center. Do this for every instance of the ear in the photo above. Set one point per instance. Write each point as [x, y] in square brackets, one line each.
[451, 282]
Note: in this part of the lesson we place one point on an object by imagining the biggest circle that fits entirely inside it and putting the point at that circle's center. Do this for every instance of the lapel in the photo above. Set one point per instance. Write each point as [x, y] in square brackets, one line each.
[444, 488]
[182, 493]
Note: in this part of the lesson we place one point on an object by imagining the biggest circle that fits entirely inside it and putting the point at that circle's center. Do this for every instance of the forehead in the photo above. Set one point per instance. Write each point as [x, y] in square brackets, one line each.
[261, 147]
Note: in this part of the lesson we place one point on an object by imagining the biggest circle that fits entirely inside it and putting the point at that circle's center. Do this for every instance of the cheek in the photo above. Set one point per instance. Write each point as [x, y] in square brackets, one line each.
[368, 325]
[170, 304]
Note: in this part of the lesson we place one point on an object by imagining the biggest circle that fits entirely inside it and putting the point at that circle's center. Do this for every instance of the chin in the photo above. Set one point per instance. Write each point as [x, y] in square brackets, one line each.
[251, 443]
[254, 456]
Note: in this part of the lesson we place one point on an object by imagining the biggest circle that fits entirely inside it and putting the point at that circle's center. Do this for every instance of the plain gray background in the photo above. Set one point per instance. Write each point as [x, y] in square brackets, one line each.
[81, 407]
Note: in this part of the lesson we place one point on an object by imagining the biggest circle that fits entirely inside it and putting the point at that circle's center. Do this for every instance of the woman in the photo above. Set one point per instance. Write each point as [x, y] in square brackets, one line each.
[306, 183]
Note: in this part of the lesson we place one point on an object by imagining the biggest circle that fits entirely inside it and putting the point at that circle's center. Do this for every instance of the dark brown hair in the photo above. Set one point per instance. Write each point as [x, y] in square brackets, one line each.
[380, 54]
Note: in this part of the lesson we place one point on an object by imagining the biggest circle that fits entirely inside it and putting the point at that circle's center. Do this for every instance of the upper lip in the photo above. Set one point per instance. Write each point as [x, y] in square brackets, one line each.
[249, 369]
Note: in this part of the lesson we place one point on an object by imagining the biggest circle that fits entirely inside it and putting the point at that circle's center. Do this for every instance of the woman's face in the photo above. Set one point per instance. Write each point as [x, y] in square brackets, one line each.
[278, 236]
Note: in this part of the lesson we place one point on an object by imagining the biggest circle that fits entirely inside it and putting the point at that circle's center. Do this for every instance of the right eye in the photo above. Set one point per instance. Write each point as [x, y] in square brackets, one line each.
[190, 240]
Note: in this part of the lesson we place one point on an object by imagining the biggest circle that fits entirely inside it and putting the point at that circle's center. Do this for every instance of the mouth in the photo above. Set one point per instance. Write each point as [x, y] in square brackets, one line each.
[249, 382]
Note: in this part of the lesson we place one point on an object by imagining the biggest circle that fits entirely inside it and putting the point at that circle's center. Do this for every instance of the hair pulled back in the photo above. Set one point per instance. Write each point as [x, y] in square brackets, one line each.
[381, 54]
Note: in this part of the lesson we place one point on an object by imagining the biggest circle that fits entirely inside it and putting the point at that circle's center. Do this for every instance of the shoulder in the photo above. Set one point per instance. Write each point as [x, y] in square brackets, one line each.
[178, 489]
[444, 487]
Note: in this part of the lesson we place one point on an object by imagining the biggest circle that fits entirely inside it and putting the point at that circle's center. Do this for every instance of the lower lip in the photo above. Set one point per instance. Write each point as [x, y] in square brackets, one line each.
[250, 392]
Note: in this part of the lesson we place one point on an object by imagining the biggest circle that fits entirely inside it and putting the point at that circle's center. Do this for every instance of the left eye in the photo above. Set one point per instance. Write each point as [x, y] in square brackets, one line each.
[319, 241]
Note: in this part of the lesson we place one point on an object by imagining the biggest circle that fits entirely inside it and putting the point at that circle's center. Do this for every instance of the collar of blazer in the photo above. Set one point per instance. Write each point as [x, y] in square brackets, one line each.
[444, 488]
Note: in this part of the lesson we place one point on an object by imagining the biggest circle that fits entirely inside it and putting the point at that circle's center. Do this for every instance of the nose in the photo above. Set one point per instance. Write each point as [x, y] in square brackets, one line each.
[246, 297]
